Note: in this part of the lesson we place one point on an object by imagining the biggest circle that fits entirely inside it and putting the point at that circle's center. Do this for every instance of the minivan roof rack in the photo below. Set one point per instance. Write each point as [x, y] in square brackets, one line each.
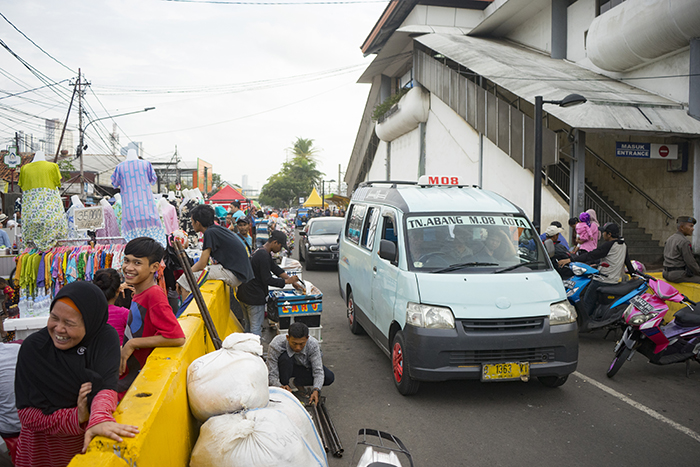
[393, 183]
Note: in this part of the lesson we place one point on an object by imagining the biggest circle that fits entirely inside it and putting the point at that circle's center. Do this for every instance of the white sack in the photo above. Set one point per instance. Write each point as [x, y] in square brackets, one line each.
[229, 379]
[285, 402]
[254, 438]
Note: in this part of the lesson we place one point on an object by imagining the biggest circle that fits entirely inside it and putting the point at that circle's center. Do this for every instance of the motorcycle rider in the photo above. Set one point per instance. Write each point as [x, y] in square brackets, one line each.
[613, 257]
[679, 263]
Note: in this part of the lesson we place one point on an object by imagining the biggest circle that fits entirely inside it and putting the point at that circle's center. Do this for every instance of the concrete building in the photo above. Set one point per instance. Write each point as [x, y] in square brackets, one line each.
[471, 71]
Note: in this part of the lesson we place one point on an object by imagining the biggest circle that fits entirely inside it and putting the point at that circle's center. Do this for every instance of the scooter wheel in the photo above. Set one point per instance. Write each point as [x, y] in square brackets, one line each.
[620, 357]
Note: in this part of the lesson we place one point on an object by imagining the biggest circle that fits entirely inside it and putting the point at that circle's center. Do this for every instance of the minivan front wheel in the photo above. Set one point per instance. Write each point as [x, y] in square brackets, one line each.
[553, 381]
[400, 366]
[355, 327]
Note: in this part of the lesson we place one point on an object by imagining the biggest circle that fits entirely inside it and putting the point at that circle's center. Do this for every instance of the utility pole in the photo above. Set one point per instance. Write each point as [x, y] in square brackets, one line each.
[82, 134]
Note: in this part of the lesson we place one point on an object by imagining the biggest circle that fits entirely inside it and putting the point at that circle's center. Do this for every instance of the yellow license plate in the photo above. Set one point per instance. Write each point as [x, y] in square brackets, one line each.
[505, 371]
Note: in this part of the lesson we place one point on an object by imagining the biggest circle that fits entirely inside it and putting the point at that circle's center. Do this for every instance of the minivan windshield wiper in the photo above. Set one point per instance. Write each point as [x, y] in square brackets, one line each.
[455, 267]
[516, 266]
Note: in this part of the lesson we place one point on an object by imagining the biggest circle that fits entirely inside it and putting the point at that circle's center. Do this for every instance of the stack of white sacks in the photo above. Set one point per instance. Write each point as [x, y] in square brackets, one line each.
[247, 423]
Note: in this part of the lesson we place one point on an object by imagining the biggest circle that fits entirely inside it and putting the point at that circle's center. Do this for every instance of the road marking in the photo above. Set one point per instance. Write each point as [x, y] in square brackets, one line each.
[638, 406]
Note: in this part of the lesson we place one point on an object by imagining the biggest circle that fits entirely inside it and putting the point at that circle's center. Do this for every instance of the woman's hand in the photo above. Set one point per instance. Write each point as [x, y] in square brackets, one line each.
[112, 430]
[124, 286]
[83, 409]
[127, 350]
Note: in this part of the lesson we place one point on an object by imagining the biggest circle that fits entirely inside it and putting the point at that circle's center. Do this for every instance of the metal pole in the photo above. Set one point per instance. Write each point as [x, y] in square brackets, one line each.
[537, 193]
[63, 132]
[192, 282]
[82, 135]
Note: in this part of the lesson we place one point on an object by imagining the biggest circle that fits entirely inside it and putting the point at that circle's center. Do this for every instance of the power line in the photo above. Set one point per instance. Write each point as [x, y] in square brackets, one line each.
[37, 45]
[346, 2]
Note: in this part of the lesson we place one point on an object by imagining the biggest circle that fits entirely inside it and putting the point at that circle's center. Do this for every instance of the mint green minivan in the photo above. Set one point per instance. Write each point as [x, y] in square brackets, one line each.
[453, 282]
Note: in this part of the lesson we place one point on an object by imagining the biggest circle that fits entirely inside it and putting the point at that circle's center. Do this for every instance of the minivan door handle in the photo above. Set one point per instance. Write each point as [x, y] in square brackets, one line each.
[374, 269]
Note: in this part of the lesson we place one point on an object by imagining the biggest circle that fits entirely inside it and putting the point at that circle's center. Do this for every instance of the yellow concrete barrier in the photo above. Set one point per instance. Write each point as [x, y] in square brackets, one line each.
[157, 400]
[689, 289]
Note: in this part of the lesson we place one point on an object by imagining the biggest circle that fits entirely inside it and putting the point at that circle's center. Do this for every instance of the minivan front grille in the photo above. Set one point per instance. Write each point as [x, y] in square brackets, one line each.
[502, 325]
[474, 357]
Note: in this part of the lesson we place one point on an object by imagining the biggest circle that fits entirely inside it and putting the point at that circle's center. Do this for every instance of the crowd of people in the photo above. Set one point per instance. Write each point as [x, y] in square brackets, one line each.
[70, 375]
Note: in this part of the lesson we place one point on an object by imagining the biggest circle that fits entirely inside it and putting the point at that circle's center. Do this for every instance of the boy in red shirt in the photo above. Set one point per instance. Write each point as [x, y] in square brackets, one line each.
[151, 320]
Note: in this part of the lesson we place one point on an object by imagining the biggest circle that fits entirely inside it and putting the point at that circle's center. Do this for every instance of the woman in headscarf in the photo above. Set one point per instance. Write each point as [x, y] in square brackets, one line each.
[66, 380]
[586, 233]
[594, 222]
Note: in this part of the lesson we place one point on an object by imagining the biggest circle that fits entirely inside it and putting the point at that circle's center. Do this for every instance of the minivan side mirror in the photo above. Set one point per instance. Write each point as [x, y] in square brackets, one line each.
[302, 233]
[387, 250]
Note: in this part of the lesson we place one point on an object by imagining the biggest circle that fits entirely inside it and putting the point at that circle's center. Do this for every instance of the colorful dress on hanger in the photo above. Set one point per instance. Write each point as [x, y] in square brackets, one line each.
[140, 216]
[43, 218]
[111, 226]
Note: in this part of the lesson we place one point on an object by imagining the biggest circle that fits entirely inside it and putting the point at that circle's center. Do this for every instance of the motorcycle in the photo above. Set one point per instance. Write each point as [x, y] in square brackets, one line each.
[675, 342]
[380, 449]
[611, 302]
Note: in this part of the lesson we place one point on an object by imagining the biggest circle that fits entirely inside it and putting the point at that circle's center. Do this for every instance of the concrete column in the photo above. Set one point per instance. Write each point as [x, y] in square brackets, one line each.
[384, 89]
[388, 160]
[694, 91]
[559, 29]
[696, 195]
[421, 157]
[577, 185]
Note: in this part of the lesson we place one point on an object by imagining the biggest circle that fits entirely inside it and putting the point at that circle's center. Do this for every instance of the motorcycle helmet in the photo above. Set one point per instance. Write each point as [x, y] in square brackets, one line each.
[638, 266]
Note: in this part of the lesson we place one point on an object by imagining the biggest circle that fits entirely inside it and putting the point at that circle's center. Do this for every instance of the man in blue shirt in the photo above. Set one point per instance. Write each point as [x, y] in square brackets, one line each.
[4, 239]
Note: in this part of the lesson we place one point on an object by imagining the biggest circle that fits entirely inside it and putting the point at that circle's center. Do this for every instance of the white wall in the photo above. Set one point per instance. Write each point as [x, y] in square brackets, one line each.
[405, 155]
[535, 33]
[443, 16]
[579, 17]
[452, 146]
[378, 169]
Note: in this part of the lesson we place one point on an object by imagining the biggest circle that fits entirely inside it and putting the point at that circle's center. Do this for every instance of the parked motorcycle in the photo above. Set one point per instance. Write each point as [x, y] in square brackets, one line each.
[612, 299]
[676, 342]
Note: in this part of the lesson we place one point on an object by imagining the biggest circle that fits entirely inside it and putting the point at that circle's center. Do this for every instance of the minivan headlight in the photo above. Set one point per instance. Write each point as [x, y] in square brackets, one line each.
[318, 248]
[561, 313]
[429, 316]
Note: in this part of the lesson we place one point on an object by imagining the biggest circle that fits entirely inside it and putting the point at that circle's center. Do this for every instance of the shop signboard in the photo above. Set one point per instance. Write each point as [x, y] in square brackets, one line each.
[12, 159]
[646, 150]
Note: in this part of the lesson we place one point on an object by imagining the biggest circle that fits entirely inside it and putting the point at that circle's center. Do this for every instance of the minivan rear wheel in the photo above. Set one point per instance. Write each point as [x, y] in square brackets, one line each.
[400, 367]
[355, 327]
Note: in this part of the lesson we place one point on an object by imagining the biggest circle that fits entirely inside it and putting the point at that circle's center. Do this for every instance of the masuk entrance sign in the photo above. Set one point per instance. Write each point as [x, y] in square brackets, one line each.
[646, 150]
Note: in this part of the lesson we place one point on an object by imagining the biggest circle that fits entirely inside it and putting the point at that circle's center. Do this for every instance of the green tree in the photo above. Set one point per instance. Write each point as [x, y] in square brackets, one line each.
[296, 179]
[303, 148]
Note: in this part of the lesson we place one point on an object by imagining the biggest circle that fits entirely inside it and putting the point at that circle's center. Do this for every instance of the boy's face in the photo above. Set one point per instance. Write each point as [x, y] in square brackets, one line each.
[137, 270]
[197, 226]
[243, 228]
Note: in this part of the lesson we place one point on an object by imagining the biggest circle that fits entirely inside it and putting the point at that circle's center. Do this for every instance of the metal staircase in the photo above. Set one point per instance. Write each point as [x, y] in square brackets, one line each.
[640, 243]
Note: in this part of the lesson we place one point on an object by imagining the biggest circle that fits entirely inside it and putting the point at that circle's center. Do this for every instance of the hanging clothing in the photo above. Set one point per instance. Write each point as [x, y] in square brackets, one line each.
[170, 220]
[111, 227]
[48, 381]
[139, 213]
[118, 212]
[70, 222]
[43, 221]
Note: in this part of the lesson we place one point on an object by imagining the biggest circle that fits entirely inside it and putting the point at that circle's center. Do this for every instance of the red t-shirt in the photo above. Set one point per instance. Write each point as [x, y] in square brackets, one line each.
[150, 315]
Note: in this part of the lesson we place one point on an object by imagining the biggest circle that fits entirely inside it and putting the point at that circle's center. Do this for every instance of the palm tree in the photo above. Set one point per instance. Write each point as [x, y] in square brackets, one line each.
[303, 149]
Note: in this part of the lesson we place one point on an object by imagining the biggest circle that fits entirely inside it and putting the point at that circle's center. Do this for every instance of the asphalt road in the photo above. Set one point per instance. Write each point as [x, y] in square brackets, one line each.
[646, 416]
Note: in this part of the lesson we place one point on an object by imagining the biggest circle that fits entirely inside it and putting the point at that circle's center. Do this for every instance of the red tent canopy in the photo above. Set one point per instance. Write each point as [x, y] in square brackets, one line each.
[226, 195]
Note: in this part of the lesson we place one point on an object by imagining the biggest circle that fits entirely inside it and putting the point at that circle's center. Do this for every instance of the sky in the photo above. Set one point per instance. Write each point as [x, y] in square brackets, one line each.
[232, 84]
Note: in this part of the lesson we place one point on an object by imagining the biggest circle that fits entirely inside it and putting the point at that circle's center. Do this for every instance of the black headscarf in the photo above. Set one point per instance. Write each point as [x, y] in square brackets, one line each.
[48, 378]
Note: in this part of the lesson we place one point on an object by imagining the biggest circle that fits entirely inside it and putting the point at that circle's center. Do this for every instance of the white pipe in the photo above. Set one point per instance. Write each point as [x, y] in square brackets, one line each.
[640, 31]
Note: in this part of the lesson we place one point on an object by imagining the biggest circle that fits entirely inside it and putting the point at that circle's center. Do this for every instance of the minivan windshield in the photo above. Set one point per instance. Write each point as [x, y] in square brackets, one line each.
[468, 243]
[326, 226]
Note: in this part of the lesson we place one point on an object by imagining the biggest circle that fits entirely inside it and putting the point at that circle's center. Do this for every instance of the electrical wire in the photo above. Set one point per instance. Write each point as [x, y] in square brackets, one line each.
[37, 45]
[222, 2]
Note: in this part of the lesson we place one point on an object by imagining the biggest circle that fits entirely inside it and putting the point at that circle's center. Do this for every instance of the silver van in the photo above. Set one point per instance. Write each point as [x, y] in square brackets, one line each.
[452, 282]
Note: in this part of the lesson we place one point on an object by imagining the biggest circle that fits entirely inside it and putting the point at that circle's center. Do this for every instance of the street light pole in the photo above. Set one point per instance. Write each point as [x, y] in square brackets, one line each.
[568, 101]
[82, 134]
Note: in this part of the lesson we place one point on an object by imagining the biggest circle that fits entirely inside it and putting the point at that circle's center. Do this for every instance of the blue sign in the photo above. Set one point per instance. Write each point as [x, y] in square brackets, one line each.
[641, 150]
[646, 150]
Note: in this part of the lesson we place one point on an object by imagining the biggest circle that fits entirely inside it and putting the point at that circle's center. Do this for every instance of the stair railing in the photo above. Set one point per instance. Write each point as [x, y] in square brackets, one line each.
[558, 178]
[668, 215]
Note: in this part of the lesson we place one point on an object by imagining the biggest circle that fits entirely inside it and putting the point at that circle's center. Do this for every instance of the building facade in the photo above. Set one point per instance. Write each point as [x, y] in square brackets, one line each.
[469, 73]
